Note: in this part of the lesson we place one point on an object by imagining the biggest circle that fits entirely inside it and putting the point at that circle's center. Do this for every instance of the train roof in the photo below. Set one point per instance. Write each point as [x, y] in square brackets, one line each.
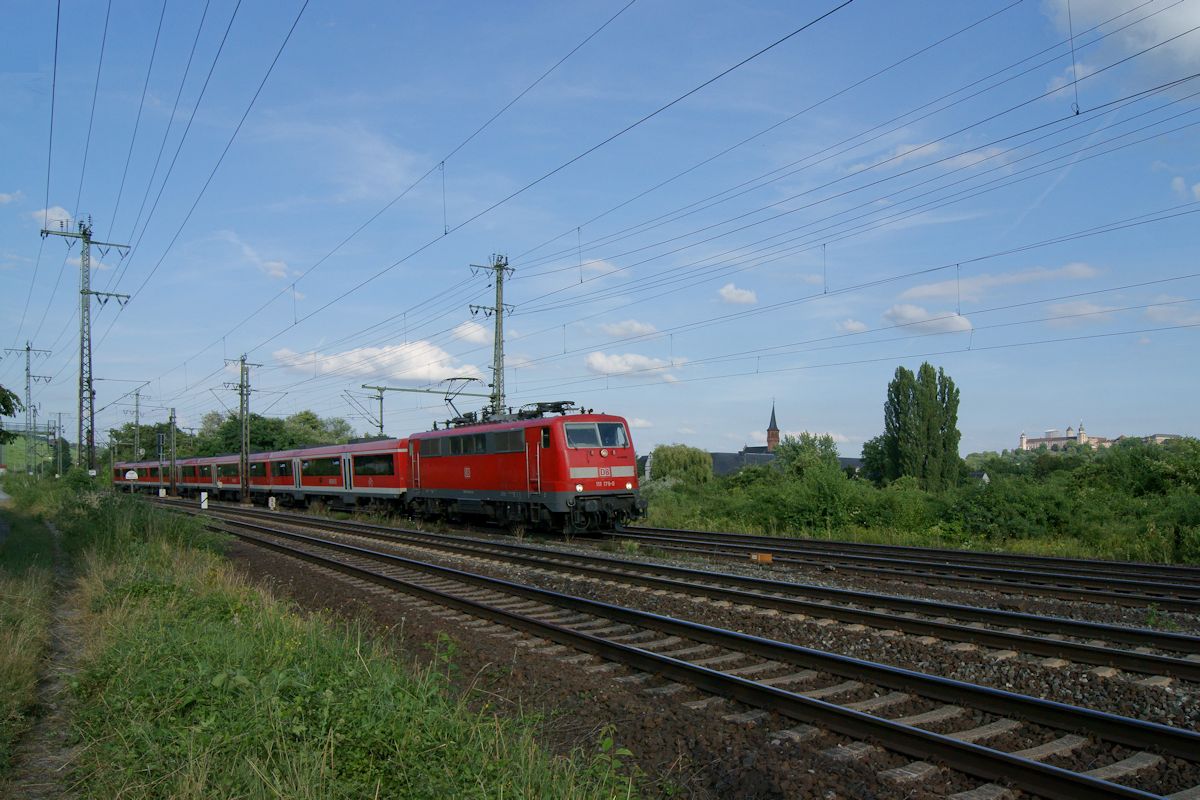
[516, 424]
[373, 446]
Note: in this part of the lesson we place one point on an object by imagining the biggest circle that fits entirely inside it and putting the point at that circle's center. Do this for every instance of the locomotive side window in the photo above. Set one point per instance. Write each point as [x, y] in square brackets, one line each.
[612, 434]
[282, 469]
[258, 469]
[205, 471]
[456, 446]
[582, 434]
[480, 442]
[545, 438]
[374, 465]
[431, 448]
[508, 442]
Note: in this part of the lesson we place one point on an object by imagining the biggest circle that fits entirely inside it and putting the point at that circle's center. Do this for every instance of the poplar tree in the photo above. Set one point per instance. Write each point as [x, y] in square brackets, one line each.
[920, 428]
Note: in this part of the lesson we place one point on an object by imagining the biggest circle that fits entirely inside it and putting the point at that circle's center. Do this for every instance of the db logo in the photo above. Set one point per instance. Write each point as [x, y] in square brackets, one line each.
[466, 472]
[606, 472]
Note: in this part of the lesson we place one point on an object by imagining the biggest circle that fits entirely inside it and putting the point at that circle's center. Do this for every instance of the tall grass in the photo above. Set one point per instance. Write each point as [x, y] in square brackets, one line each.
[26, 591]
[195, 684]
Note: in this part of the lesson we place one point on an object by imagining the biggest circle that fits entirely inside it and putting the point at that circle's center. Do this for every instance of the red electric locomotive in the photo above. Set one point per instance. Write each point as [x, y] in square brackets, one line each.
[571, 472]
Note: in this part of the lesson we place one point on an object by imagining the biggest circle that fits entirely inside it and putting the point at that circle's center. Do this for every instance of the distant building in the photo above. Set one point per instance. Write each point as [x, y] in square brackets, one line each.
[755, 455]
[1055, 440]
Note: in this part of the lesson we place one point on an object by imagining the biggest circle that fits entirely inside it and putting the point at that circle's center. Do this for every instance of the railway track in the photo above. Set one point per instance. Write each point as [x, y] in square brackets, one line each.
[1133, 650]
[1039, 746]
[1168, 573]
[1173, 592]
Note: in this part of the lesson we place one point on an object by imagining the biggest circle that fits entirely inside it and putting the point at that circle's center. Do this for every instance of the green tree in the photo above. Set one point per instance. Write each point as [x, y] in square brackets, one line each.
[10, 404]
[799, 454]
[920, 428]
[687, 464]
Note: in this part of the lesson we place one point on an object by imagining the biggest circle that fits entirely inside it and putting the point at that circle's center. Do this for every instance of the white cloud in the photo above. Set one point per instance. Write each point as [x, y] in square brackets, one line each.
[852, 326]
[638, 422]
[1078, 312]
[96, 263]
[629, 327]
[812, 279]
[686, 431]
[1171, 20]
[50, 217]
[973, 157]
[732, 294]
[472, 332]
[1175, 314]
[974, 287]
[626, 364]
[1196, 191]
[271, 267]
[1179, 186]
[599, 266]
[412, 361]
[900, 154]
[10, 197]
[919, 319]
[1069, 75]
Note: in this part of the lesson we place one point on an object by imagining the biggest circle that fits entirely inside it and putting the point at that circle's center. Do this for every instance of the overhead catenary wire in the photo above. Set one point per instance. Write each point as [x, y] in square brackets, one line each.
[353, 234]
[49, 155]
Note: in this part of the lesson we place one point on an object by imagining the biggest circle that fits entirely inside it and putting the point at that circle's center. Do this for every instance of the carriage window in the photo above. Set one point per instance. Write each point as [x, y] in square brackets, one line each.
[612, 434]
[258, 469]
[321, 467]
[375, 465]
[154, 472]
[205, 471]
[282, 469]
[187, 473]
[227, 470]
[582, 434]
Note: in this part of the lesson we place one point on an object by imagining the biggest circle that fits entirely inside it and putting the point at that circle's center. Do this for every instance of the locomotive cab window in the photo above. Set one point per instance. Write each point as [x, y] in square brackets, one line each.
[582, 434]
[375, 465]
[612, 434]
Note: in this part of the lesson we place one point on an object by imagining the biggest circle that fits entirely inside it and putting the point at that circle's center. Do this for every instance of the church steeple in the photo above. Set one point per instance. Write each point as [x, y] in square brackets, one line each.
[772, 432]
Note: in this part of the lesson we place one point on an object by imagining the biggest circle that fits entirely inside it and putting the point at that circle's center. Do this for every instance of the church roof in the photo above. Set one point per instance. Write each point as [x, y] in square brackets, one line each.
[772, 426]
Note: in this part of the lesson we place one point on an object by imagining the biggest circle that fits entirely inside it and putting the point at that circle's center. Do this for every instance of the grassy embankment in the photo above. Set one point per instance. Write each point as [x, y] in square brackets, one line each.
[193, 683]
[26, 590]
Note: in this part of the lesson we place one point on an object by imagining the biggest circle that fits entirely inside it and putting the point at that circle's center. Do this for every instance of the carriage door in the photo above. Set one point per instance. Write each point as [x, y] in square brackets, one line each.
[414, 463]
[346, 472]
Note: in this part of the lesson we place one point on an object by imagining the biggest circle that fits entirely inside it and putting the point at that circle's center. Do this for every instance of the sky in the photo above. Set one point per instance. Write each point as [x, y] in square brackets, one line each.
[708, 208]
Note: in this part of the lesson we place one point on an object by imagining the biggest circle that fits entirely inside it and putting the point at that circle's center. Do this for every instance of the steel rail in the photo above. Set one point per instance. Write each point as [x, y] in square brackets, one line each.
[1162, 602]
[973, 759]
[1001, 573]
[1109, 727]
[949, 555]
[1130, 661]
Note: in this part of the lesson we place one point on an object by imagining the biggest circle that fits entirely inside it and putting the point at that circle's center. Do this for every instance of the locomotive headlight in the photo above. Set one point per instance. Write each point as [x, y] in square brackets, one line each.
[629, 485]
[579, 487]
[604, 454]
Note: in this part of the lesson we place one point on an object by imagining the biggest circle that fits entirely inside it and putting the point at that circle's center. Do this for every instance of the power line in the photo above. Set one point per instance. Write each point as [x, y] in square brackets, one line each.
[138, 119]
[413, 185]
[49, 154]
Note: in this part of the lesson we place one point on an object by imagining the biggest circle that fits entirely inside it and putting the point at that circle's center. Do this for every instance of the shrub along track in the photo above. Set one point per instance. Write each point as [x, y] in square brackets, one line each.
[1144, 585]
[918, 715]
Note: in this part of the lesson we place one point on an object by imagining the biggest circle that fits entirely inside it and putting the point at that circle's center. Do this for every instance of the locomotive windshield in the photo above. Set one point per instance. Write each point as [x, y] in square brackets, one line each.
[593, 434]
